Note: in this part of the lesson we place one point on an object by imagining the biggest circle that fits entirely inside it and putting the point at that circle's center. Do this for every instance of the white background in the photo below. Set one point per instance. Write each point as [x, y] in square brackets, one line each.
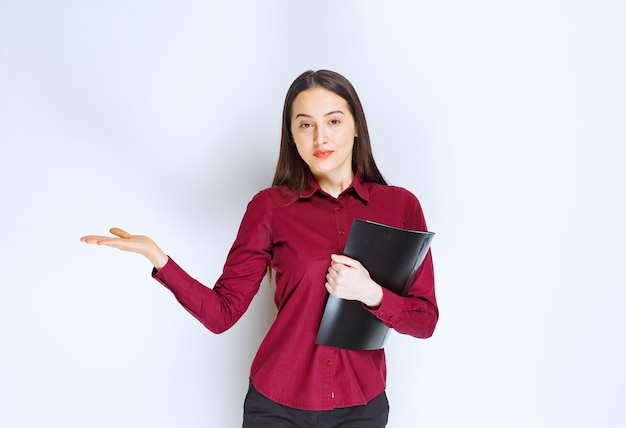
[506, 119]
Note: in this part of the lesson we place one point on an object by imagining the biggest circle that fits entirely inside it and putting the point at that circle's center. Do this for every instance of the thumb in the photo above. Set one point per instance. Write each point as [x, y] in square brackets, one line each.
[120, 233]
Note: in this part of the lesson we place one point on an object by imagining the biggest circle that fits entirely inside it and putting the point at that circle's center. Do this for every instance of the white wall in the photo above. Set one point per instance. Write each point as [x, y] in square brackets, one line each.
[506, 119]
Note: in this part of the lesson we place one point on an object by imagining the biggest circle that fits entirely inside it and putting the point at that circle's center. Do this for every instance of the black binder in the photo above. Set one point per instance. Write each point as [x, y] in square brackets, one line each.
[392, 257]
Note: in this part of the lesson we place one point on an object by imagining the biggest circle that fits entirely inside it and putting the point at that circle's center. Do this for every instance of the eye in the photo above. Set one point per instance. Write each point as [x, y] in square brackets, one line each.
[305, 125]
[335, 121]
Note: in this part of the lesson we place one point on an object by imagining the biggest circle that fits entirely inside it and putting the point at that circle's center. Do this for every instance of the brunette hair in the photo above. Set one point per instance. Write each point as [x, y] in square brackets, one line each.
[291, 170]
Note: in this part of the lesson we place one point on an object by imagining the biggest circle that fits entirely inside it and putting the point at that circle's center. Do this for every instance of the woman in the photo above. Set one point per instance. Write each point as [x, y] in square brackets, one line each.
[325, 178]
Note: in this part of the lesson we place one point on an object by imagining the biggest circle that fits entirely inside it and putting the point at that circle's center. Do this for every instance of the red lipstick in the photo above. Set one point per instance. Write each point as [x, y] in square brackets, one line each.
[321, 154]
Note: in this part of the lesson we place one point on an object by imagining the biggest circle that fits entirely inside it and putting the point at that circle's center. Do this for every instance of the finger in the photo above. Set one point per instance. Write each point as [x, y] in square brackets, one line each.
[329, 288]
[330, 278]
[119, 243]
[344, 260]
[334, 270]
[338, 269]
[93, 239]
[120, 233]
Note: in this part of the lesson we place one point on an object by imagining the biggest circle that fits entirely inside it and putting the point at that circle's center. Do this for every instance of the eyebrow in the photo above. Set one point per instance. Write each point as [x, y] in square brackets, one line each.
[327, 114]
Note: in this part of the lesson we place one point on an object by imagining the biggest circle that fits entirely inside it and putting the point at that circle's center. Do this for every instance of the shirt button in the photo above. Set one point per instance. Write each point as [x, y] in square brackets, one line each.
[327, 363]
[338, 209]
[342, 232]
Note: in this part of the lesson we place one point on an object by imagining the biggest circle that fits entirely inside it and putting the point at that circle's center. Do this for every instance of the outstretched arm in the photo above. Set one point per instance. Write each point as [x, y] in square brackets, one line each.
[220, 307]
[124, 241]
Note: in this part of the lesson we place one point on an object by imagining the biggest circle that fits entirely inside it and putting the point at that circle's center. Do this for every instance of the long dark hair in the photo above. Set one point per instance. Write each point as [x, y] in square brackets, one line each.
[291, 170]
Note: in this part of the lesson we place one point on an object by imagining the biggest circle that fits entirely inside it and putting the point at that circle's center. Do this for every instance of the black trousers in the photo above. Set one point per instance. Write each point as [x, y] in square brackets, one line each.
[261, 412]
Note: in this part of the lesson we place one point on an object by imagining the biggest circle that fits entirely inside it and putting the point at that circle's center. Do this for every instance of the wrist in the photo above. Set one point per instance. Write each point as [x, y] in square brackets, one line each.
[376, 298]
[158, 258]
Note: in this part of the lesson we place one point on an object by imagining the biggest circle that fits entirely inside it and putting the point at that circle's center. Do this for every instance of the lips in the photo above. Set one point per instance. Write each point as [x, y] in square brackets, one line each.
[321, 154]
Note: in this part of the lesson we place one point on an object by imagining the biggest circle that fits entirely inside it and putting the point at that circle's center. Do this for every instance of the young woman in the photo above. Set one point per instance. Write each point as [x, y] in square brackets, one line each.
[325, 178]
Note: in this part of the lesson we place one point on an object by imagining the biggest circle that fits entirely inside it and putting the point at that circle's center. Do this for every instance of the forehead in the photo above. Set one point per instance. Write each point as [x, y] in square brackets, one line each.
[318, 101]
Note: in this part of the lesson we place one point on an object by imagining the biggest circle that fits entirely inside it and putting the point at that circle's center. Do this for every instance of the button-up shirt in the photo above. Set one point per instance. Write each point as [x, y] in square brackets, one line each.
[295, 236]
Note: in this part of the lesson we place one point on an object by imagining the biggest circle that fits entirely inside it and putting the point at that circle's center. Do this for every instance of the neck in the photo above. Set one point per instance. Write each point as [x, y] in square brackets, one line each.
[334, 187]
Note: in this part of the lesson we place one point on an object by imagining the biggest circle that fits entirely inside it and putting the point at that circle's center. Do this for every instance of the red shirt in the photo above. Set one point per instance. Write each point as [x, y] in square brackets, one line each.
[295, 235]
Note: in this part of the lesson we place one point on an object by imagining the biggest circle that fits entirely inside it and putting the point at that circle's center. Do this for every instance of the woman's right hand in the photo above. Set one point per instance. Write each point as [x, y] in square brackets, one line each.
[134, 243]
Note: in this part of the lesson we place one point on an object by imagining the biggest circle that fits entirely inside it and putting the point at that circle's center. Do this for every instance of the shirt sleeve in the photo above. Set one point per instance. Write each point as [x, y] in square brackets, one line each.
[220, 307]
[416, 313]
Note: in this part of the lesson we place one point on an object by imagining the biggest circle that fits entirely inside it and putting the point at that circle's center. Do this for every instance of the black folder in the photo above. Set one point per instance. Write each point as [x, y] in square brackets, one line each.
[392, 257]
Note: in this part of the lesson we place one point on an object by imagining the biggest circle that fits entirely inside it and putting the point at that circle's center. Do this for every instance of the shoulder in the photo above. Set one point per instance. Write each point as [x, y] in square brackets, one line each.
[406, 202]
[272, 197]
[263, 207]
[397, 193]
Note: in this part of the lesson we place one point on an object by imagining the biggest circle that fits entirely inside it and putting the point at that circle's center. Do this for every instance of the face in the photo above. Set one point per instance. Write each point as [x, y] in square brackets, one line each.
[323, 130]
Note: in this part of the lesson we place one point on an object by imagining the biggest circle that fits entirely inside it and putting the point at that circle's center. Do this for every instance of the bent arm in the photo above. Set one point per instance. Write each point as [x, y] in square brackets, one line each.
[415, 314]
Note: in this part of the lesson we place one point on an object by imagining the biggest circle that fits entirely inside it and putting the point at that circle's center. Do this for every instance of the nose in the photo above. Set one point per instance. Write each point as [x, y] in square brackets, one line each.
[320, 137]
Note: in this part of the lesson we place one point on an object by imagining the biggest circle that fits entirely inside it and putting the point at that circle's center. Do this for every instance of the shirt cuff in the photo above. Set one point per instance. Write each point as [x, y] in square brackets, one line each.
[173, 277]
[390, 308]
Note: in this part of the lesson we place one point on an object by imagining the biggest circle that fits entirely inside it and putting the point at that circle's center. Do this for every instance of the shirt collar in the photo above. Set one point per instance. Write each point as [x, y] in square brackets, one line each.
[358, 185]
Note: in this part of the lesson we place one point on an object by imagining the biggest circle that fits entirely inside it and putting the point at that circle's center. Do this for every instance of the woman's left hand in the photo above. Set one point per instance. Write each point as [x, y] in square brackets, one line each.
[348, 279]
